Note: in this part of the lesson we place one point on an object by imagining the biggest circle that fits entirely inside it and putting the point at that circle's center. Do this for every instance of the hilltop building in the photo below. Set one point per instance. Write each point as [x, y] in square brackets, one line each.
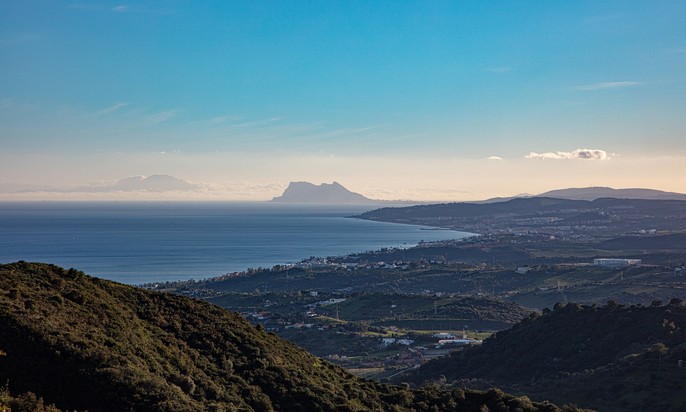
[616, 263]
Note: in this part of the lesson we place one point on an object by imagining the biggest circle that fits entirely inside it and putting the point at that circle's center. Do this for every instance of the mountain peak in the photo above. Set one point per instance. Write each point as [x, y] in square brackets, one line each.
[306, 192]
[153, 183]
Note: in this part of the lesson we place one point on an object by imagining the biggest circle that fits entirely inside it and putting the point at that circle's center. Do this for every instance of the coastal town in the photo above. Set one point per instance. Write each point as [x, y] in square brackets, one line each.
[379, 313]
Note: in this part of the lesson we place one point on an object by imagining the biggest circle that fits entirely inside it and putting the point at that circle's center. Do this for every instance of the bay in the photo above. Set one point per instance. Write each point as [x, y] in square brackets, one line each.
[141, 242]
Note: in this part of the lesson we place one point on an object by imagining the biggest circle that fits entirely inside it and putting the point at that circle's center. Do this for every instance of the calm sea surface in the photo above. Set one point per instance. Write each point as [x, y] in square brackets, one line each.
[149, 242]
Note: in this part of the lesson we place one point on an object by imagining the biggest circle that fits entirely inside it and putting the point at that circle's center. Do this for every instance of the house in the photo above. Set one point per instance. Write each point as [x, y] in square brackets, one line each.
[387, 341]
[459, 342]
[443, 336]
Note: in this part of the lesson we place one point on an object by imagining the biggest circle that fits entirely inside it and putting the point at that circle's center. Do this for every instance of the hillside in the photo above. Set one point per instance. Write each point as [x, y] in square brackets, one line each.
[612, 358]
[593, 193]
[604, 216]
[84, 343]
[334, 193]
[399, 307]
[552, 269]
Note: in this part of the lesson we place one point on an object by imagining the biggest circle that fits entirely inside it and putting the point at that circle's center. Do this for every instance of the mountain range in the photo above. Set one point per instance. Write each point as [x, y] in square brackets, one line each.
[598, 192]
[154, 183]
[151, 184]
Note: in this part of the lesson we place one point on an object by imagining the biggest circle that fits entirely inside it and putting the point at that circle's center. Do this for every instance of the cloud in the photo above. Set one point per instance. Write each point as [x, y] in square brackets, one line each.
[584, 154]
[19, 38]
[606, 85]
[162, 116]
[494, 158]
[223, 119]
[84, 6]
[7, 103]
[110, 109]
[122, 8]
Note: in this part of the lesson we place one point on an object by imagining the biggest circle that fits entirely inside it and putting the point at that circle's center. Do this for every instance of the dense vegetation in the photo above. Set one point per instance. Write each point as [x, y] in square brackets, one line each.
[84, 343]
[379, 306]
[612, 357]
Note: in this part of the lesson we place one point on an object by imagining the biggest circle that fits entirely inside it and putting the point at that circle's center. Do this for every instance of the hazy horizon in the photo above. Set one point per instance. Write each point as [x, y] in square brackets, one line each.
[195, 191]
[428, 101]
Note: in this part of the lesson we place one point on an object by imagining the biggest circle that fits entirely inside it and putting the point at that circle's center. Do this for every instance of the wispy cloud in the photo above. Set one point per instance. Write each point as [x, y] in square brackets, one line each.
[606, 85]
[223, 119]
[162, 116]
[122, 8]
[84, 6]
[7, 103]
[583, 154]
[18, 38]
[110, 109]
[494, 158]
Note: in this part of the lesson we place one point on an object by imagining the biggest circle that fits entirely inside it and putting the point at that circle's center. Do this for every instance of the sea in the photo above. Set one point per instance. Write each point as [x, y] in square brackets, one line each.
[148, 242]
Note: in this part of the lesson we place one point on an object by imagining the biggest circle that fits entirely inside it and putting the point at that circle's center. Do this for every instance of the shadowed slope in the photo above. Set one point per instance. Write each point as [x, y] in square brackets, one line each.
[613, 358]
[86, 343]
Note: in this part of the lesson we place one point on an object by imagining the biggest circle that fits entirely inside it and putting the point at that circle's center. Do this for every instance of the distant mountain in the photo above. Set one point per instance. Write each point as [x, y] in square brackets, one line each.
[334, 193]
[83, 343]
[593, 193]
[613, 357]
[154, 183]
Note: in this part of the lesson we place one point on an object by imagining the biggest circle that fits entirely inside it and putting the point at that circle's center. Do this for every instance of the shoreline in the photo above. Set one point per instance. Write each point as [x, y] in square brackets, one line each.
[156, 242]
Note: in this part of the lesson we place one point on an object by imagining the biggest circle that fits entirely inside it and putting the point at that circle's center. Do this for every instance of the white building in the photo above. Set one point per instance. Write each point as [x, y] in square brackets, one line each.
[616, 263]
[387, 341]
[459, 342]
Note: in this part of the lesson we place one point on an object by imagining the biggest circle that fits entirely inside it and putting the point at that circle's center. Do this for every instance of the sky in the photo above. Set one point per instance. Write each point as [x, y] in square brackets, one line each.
[422, 100]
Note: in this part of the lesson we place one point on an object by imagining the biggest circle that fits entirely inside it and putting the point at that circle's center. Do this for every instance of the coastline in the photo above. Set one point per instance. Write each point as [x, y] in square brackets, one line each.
[144, 242]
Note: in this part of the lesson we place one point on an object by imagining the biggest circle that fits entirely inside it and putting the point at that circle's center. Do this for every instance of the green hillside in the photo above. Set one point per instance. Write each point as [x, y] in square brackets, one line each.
[613, 358]
[83, 343]
[379, 306]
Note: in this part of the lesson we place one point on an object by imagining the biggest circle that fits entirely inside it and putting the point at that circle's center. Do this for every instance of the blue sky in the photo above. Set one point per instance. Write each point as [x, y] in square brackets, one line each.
[425, 100]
